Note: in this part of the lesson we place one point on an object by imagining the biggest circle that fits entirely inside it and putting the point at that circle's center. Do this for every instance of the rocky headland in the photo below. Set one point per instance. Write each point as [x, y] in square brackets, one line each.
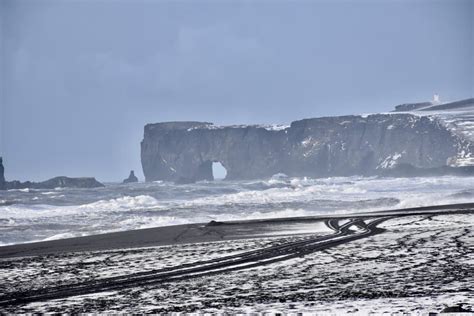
[411, 141]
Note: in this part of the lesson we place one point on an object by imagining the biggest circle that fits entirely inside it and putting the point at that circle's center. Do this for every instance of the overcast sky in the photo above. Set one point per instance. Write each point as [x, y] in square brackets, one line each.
[80, 79]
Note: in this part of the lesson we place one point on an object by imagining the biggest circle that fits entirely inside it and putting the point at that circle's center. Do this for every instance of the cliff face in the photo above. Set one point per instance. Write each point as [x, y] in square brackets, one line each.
[320, 147]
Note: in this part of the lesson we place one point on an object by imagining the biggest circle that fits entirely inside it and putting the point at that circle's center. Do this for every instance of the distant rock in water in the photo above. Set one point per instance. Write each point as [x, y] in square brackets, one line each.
[131, 178]
[66, 182]
[417, 143]
[57, 182]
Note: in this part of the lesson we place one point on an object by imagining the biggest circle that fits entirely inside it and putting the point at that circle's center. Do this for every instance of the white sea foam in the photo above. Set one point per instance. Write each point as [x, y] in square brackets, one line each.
[26, 190]
[263, 215]
[63, 236]
[49, 193]
[126, 204]
[297, 190]
[138, 222]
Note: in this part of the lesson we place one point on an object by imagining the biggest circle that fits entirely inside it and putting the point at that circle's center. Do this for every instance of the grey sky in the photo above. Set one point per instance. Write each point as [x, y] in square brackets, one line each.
[79, 79]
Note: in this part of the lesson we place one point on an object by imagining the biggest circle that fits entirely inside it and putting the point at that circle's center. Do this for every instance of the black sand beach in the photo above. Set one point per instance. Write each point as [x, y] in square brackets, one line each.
[67, 272]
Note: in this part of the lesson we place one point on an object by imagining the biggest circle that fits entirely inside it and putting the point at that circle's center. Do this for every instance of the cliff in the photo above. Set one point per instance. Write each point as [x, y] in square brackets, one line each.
[319, 147]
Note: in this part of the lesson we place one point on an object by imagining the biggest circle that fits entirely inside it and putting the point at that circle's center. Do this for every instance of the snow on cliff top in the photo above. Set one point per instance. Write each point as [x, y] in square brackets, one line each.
[457, 117]
[268, 127]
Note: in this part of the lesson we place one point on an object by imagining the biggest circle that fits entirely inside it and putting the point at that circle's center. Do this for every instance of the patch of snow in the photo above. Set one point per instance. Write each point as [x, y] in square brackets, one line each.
[268, 127]
[307, 141]
[275, 127]
[390, 161]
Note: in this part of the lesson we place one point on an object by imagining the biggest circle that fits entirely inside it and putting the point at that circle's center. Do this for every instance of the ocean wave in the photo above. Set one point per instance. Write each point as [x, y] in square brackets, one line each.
[279, 195]
[121, 208]
[125, 203]
[25, 190]
[410, 192]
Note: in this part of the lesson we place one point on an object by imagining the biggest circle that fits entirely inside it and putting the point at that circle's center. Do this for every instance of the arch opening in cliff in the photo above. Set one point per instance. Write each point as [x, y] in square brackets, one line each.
[219, 172]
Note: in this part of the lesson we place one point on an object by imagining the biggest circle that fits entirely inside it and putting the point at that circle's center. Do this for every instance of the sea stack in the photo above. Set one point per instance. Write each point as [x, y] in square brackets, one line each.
[131, 178]
[2, 175]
